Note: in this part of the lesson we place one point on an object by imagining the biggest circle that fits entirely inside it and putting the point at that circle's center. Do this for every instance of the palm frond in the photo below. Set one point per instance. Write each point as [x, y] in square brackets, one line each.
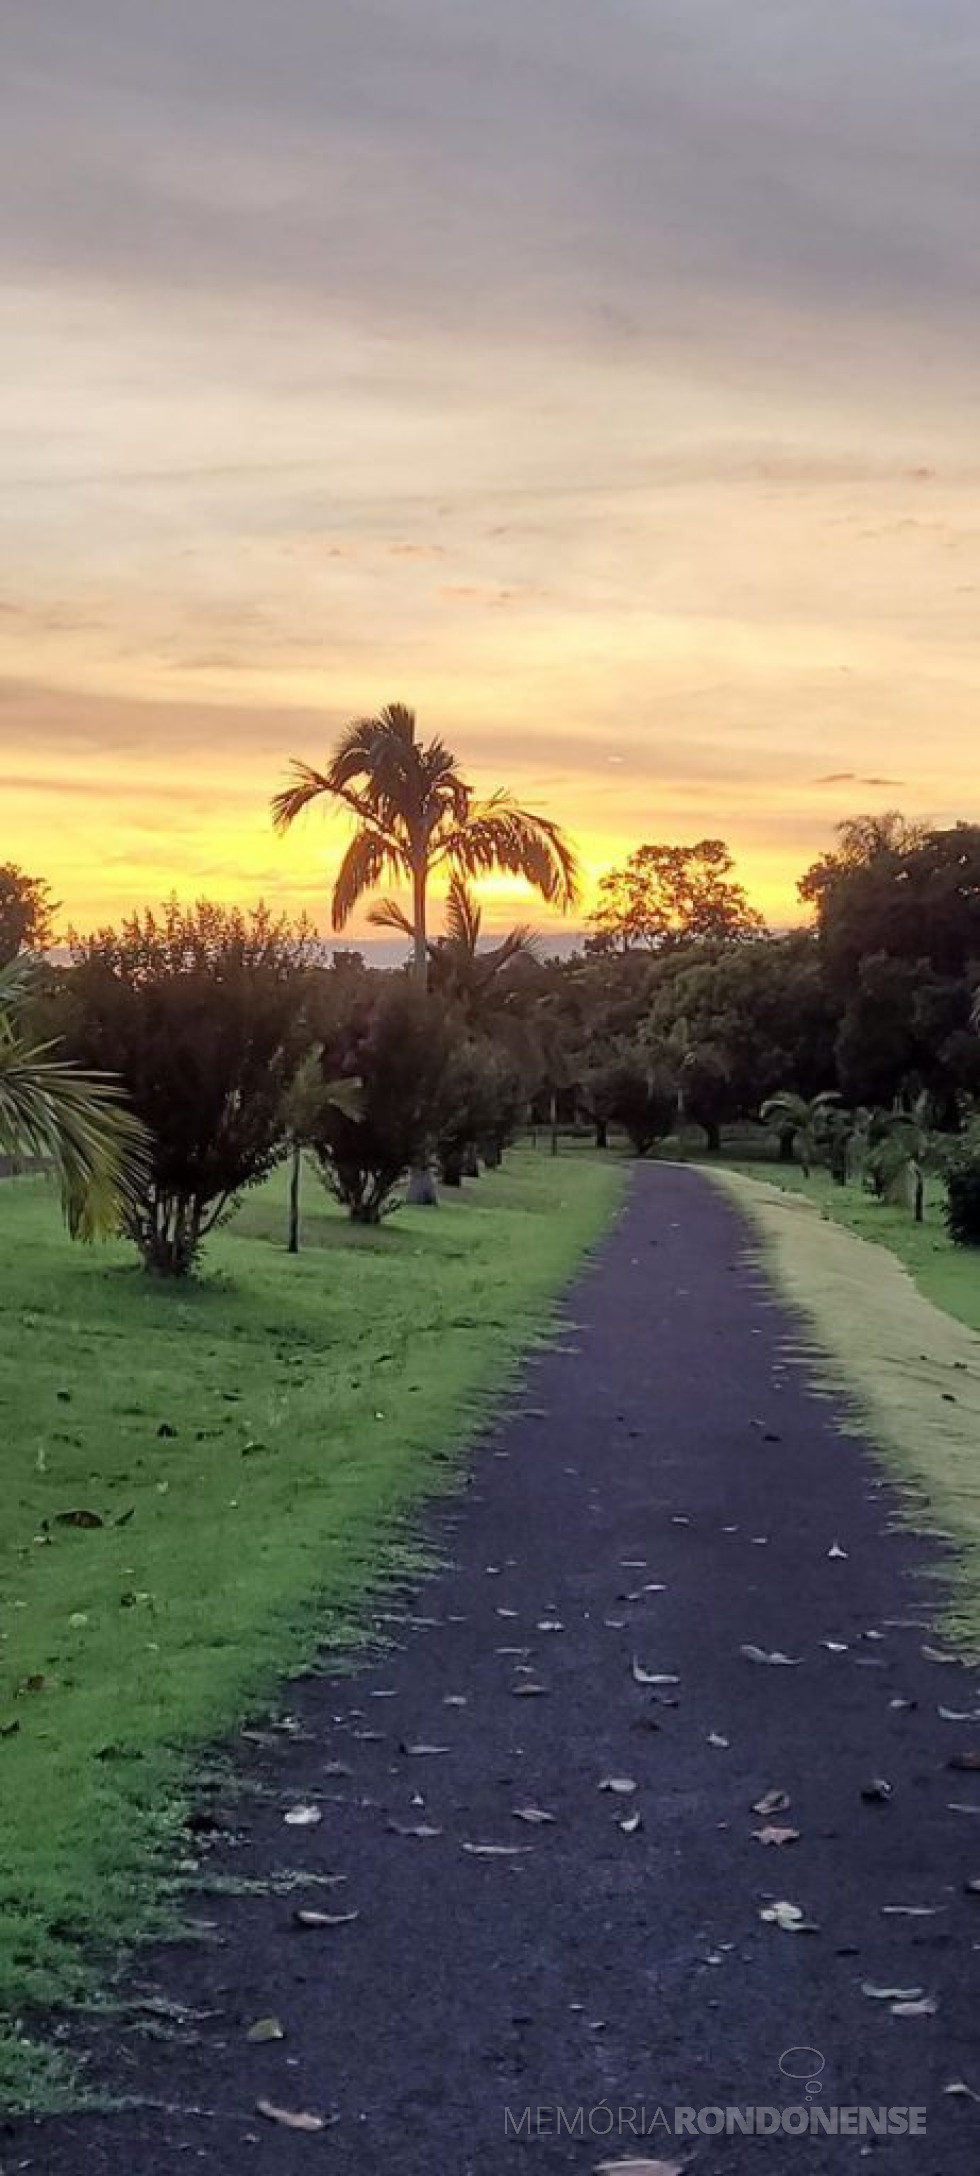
[499, 834]
[368, 859]
[307, 785]
[387, 914]
[463, 916]
[75, 1122]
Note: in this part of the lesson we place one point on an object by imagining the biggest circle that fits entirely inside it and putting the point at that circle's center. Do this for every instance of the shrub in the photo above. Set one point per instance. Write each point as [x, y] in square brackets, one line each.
[962, 1176]
[481, 1099]
[199, 1012]
[395, 1041]
[640, 1093]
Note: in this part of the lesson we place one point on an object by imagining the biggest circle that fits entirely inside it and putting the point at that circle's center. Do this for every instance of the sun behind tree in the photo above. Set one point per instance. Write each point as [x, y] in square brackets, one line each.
[415, 815]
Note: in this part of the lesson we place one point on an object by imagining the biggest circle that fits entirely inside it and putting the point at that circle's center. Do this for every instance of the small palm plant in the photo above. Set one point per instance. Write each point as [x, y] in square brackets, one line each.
[804, 1128]
[72, 1121]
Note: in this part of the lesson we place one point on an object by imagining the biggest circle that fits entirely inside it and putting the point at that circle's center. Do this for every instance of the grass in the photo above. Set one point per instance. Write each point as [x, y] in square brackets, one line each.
[252, 1446]
[948, 1276]
[894, 1332]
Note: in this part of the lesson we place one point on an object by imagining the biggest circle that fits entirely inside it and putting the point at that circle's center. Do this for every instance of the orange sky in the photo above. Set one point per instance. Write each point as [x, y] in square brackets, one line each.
[601, 382]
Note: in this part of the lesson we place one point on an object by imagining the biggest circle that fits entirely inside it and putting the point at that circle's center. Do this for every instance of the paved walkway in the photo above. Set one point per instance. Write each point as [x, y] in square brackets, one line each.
[666, 1489]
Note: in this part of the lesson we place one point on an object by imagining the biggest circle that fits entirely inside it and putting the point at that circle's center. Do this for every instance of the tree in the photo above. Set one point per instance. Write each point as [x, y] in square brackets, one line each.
[69, 1119]
[706, 1090]
[415, 816]
[764, 1006]
[396, 1043]
[913, 895]
[27, 913]
[639, 1091]
[899, 1033]
[200, 1009]
[666, 896]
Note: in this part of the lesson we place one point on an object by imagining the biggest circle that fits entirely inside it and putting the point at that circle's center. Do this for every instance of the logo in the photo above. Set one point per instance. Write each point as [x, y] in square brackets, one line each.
[804, 2063]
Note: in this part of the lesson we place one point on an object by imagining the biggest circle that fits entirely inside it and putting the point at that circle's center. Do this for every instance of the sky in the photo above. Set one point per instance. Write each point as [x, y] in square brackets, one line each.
[597, 376]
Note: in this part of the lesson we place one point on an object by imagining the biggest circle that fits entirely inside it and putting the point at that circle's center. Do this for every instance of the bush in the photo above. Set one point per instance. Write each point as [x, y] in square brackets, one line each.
[639, 1093]
[395, 1041]
[199, 1012]
[962, 1176]
[481, 1101]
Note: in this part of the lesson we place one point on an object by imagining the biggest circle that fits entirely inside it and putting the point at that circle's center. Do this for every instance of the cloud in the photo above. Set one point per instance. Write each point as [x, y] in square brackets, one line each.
[853, 778]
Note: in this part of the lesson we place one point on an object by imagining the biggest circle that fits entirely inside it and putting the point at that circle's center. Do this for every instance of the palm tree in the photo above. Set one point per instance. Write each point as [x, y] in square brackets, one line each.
[70, 1120]
[416, 815]
[456, 965]
[799, 1123]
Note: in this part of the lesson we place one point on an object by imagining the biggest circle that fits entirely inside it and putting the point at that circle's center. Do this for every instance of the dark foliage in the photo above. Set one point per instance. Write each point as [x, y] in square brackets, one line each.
[199, 1011]
[27, 912]
[395, 1042]
[962, 1175]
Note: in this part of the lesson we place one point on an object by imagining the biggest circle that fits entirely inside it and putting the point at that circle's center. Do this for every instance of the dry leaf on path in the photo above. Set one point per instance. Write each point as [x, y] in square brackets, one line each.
[877, 1792]
[651, 1677]
[759, 1654]
[324, 1919]
[837, 1551]
[535, 1816]
[715, 1738]
[935, 1654]
[418, 1752]
[967, 1763]
[623, 1786]
[911, 1911]
[630, 1823]
[265, 2028]
[959, 2087]
[772, 1802]
[417, 1828]
[639, 2168]
[890, 1994]
[302, 1816]
[927, 2008]
[290, 2119]
[789, 1917]
[769, 1835]
[496, 1851]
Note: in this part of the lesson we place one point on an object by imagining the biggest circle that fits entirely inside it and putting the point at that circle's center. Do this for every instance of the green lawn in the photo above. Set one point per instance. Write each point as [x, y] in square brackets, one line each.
[948, 1276]
[249, 1446]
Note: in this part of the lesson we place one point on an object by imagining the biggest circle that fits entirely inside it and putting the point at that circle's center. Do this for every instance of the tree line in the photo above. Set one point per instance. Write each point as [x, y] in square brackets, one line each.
[179, 1056]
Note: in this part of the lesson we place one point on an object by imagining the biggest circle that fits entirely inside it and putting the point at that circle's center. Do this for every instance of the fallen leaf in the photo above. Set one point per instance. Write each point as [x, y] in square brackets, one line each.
[622, 1786]
[418, 1752]
[528, 1692]
[912, 1911]
[535, 1816]
[290, 2119]
[772, 1802]
[758, 1654]
[877, 1792]
[967, 1763]
[836, 1550]
[88, 1520]
[303, 1816]
[630, 1823]
[927, 2008]
[789, 1917]
[890, 1994]
[639, 2168]
[550, 1624]
[265, 2028]
[651, 1677]
[419, 1828]
[496, 1851]
[960, 2088]
[715, 1739]
[324, 1919]
[835, 1647]
[769, 1835]
[953, 1715]
[972, 1888]
[935, 1654]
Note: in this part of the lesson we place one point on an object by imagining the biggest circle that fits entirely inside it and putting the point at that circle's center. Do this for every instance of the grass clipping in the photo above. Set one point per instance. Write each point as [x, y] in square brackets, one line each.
[909, 1372]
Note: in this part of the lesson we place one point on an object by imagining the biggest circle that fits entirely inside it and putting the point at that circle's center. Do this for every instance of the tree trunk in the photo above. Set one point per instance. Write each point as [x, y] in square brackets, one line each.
[602, 1133]
[294, 1177]
[554, 1121]
[422, 1192]
[471, 1161]
[787, 1144]
[918, 1193]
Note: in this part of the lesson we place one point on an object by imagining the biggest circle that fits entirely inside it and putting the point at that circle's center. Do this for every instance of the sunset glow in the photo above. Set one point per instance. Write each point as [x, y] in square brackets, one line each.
[600, 380]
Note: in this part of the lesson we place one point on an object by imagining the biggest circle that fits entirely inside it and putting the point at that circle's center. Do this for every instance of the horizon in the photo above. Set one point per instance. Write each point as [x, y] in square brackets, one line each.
[641, 461]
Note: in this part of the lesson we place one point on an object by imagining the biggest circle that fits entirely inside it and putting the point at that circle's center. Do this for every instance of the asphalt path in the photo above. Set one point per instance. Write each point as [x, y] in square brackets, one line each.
[666, 1501]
